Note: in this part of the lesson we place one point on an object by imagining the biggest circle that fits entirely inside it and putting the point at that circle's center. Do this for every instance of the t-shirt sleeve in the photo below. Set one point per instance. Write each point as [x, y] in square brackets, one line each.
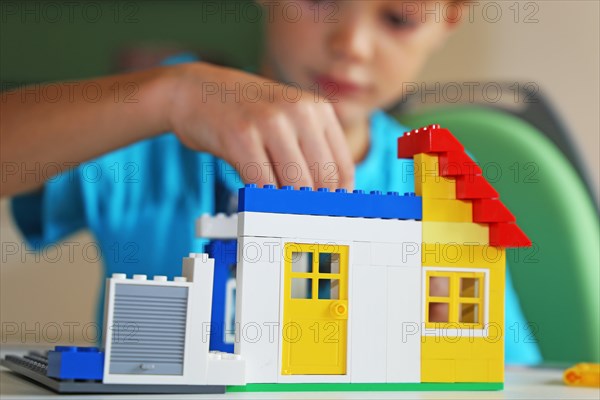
[53, 212]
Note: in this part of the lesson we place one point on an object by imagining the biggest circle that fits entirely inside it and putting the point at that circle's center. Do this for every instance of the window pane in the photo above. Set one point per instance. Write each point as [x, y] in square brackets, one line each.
[329, 263]
[329, 289]
[302, 262]
[439, 286]
[438, 312]
[469, 287]
[468, 313]
[301, 288]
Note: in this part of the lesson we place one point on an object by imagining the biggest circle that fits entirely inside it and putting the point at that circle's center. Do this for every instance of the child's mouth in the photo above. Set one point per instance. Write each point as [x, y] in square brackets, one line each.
[332, 87]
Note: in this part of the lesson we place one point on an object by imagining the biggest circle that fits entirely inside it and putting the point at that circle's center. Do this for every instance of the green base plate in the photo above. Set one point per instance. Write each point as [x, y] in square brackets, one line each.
[364, 387]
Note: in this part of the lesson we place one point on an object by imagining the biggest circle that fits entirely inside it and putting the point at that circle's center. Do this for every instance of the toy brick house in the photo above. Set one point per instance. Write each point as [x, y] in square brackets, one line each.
[376, 288]
[332, 291]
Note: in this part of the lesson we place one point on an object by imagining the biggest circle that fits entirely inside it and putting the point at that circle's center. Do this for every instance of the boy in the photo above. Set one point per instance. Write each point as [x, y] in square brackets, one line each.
[143, 192]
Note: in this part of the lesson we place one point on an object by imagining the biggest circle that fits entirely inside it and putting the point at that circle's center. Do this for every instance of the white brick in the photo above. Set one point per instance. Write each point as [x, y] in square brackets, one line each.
[257, 308]
[368, 315]
[404, 317]
[327, 228]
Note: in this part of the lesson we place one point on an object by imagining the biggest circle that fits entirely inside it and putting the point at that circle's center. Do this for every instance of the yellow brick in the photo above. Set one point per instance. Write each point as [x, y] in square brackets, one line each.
[465, 347]
[438, 370]
[470, 355]
[447, 210]
[435, 187]
[456, 232]
[459, 255]
[472, 371]
[428, 183]
[484, 349]
[496, 367]
[450, 348]
[426, 164]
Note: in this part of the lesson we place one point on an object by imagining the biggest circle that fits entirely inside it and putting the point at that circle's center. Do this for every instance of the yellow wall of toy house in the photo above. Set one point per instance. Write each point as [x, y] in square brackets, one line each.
[463, 357]
[455, 247]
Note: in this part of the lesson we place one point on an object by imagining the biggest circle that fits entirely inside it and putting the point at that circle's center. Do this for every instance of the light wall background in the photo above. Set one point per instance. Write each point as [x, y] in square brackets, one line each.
[560, 52]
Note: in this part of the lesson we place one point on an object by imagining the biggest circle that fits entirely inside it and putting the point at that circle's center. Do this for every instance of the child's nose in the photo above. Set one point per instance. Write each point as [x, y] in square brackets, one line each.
[351, 40]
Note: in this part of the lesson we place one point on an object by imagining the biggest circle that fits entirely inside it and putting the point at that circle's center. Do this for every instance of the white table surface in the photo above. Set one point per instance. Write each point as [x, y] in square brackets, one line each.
[521, 383]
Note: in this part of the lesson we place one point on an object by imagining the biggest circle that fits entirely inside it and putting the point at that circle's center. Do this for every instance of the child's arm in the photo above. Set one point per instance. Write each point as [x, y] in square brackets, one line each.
[270, 130]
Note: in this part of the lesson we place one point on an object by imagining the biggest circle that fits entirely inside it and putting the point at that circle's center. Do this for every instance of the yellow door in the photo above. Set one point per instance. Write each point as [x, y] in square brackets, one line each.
[315, 309]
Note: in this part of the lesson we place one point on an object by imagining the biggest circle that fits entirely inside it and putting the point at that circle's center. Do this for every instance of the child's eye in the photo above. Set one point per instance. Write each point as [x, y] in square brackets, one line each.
[398, 21]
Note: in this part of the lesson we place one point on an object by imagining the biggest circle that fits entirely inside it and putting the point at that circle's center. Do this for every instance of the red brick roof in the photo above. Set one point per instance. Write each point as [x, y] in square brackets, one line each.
[455, 164]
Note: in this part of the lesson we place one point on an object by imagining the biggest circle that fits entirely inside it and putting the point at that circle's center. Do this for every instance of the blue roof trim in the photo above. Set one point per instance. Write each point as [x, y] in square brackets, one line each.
[323, 202]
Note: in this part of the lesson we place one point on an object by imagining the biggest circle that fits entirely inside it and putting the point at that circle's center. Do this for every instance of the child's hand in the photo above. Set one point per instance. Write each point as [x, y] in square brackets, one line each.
[248, 121]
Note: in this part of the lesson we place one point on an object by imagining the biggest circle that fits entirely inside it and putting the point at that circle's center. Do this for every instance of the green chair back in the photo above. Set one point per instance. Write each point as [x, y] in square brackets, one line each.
[558, 279]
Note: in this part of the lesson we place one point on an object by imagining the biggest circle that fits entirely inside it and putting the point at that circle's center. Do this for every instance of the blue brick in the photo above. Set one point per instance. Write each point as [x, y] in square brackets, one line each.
[224, 254]
[70, 362]
[323, 202]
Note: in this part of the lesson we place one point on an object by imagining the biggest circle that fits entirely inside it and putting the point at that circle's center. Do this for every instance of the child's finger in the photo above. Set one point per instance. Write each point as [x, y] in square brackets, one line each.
[341, 152]
[290, 165]
[318, 155]
[251, 160]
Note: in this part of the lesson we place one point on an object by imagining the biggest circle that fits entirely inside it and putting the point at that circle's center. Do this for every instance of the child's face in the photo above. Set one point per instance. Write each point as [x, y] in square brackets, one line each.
[356, 52]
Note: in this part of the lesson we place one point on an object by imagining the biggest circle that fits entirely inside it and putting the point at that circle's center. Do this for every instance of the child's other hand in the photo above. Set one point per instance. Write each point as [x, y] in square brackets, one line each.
[252, 123]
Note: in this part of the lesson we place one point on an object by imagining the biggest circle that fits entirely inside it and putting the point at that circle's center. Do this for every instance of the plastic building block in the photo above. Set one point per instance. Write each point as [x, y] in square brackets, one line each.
[404, 321]
[257, 307]
[474, 187]
[426, 165]
[472, 370]
[455, 163]
[447, 210]
[70, 362]
[428, 182]
[34, 367]
[480, 370]
[496, 369]
[461, 255]
[198, 270]
[438, 370]
[406, 254]
[436, 187]
[138, 326]
[361, 253]
[429, 139]
[323, 202]
[508, 235]
[369, 324]
[226, 369]
[315, 298]
[313, 379]
[338, 230]
[584, 374]
[455, 232]
[222, 332]
[491, 210]
[220, 226]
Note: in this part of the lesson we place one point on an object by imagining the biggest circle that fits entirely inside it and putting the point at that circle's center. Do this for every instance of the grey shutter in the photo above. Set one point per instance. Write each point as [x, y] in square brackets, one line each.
[148, 330]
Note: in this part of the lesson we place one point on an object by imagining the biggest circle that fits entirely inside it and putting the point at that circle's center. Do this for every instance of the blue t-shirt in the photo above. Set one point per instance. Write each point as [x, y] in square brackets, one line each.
[141, 203]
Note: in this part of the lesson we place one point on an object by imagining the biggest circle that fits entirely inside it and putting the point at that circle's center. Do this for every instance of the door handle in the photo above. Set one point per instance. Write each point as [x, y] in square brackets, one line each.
[339, 309]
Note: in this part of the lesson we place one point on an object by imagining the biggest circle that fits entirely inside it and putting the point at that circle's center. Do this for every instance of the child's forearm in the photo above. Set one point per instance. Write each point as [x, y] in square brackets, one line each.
[262, 128]
[54, 127]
